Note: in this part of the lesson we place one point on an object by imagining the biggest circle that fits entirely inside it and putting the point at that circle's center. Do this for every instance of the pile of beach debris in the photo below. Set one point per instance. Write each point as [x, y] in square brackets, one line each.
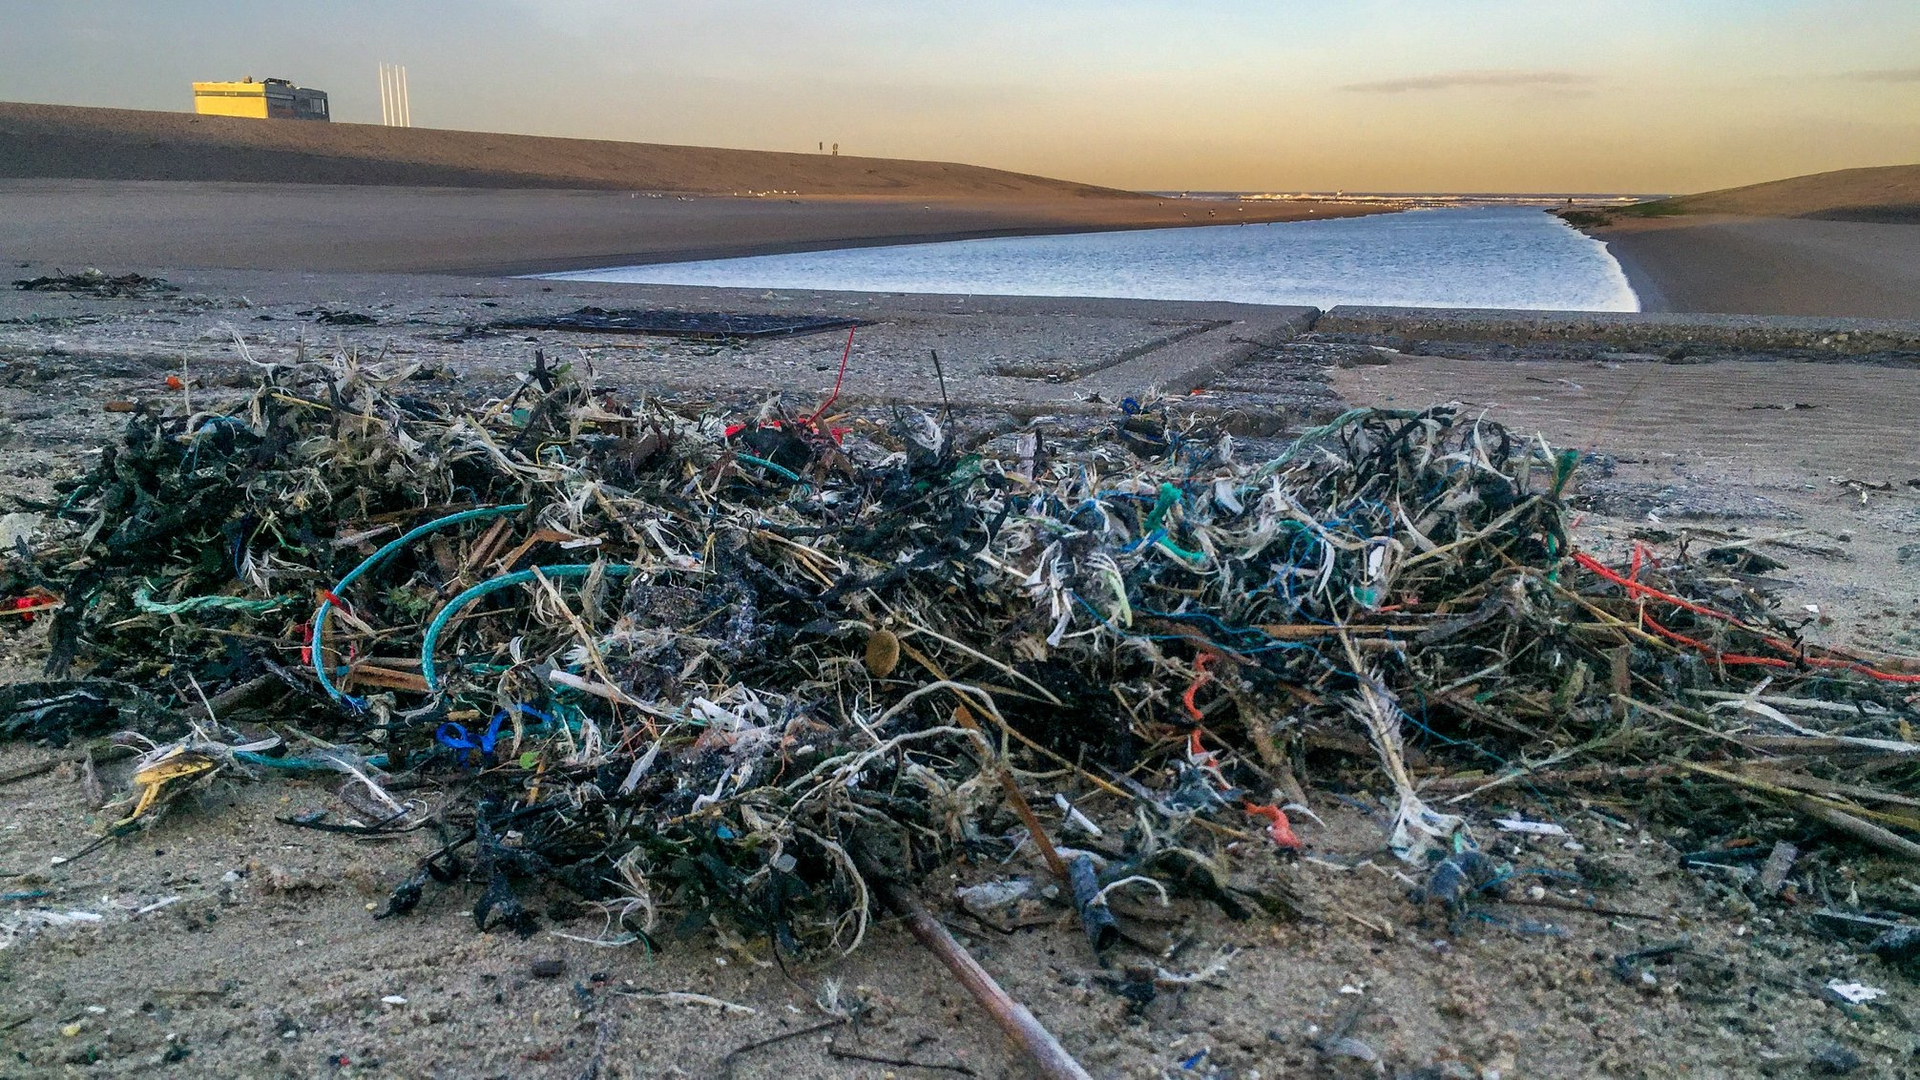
[754, 671]
[92, 282]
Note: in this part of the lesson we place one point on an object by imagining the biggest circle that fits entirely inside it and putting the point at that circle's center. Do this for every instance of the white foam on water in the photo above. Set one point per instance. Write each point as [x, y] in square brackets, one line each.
[1474, 257]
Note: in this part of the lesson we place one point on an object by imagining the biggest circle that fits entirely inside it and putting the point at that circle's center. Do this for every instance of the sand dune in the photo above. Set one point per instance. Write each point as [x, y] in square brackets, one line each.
[60, 141]
[1888, 194]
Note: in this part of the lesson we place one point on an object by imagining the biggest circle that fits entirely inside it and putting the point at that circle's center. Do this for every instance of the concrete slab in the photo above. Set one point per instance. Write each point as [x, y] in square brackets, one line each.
[1019, 353]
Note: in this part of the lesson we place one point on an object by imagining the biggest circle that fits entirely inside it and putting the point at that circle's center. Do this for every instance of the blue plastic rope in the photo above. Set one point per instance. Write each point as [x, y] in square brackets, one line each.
[773, 468]
[454, 737]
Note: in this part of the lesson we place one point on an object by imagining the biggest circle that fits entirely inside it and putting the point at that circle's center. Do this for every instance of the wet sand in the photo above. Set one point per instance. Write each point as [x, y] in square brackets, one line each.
[320, 227]
[1770, 266]
[100, 187]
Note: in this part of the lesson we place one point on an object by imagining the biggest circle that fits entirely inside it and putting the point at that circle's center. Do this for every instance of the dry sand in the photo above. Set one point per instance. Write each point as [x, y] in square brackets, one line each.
[1889, 194]
[125, 144]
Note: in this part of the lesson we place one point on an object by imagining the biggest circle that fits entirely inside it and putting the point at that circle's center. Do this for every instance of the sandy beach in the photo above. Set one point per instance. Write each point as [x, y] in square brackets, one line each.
[58, 141]
[1843, 243]
[99, 187]
[266, 961]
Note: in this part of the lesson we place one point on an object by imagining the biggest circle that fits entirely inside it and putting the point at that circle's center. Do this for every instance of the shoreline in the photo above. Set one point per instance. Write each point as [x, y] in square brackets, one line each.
[509, 232]
[1646, 290]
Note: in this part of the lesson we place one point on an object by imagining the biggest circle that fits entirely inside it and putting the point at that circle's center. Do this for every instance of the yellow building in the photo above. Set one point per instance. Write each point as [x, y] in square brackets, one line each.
[269, 99]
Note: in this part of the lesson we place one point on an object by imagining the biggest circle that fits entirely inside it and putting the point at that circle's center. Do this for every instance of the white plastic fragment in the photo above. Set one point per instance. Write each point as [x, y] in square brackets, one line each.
[1854, 993]
[640, 767]
[989, 896]
[1226, 497]
[1531, 828]
[1074, 816]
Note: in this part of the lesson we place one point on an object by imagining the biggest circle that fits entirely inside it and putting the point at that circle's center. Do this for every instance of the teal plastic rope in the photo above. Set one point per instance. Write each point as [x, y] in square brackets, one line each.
[487, 588]
[143, 599]
[300, 764]
[771, 467]
[1169, 498]
[1312, 435]
[373, 560]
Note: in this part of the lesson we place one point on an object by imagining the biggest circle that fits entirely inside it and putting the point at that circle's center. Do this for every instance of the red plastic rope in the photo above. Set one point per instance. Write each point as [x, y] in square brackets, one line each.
[1202, 678]
[1598, 567]
[837, 379]
[1724, 658]
[1279, 829]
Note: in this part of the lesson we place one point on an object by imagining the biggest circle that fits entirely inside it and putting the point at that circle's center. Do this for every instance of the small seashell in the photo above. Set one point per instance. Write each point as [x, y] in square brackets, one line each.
[883, 653]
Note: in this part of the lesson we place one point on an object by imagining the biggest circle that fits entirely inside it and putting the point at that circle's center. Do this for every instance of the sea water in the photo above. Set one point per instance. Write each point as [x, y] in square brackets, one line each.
[1474, 257]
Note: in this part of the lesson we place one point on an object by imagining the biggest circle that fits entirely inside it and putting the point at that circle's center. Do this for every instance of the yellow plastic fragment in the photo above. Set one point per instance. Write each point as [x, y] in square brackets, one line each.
[152, 779]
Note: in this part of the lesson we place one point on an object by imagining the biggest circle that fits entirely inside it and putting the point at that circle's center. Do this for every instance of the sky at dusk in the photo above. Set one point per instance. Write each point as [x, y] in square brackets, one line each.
[1442, 95]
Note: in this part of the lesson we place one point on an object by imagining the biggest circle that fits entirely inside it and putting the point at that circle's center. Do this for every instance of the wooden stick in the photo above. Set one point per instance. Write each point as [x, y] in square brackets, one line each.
[1305, 631]
[1851, 821]
[229, 697]
[1585, 775]
[1857, 827]
[1007, 784]
[365, 674]
[1013, 1017]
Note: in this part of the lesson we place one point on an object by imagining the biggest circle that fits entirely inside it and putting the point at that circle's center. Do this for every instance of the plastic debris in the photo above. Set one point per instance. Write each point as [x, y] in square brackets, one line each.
[1095, 917]
[991, 896]
[1455, 879]
[1531, 828]
[1779, 864]
[1854, 993]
